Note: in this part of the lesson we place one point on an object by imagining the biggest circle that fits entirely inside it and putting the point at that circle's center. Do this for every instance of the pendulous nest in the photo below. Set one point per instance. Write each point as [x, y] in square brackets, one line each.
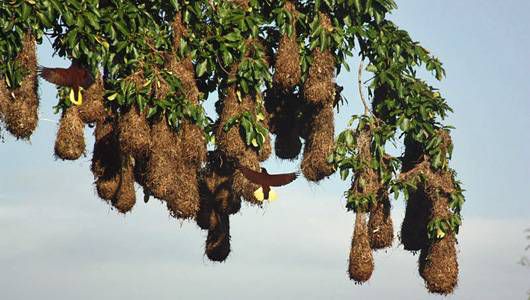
[414, 227]
[319, 87]
[218, 240]
[134, 133]
[361, 263]
[439, 265]
[125, 197]
[93, 108]
[232, 144]
[183, 203]
[380, 227]
[288, 72]
[70, 140]
[106, 159]
[283, 111]
[319, 145]
[21, 114]
[161, 174]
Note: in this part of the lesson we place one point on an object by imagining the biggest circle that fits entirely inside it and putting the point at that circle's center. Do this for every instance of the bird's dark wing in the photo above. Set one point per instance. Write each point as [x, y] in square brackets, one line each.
[58, 76]
[74, 76]
[267, 179]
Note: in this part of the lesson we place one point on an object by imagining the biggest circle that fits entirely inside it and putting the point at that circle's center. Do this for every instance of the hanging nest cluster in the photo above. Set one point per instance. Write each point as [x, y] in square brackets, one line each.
[438, 264]
[20, 109]
[372, 196]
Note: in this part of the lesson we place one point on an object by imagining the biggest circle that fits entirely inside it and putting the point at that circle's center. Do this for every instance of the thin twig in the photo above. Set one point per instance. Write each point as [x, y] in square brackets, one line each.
[366, 108]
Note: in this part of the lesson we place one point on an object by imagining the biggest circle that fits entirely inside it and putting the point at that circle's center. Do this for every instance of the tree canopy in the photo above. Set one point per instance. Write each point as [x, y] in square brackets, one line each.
[273, 65]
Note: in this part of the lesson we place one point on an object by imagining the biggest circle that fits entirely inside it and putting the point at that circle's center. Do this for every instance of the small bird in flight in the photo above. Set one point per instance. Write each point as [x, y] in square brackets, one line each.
[266, 180]
[76, 77]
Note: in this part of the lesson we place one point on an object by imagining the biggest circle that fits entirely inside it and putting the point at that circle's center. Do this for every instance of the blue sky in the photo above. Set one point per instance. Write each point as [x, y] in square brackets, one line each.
[60, 241]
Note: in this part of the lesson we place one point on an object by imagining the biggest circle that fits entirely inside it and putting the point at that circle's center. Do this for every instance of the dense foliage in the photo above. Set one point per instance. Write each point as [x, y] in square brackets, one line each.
[234, 47]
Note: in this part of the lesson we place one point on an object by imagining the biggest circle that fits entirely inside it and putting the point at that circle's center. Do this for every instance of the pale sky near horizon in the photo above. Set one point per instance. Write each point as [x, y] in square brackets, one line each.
[59, 241]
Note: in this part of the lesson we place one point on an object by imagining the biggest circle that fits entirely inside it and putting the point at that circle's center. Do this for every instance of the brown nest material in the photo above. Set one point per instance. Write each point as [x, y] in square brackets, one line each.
[283, 112]
[380, 227]
[21, 114]
[319, 87]
[288, 72]
[125, 195]
[4, 98]
[106, 159]
[439, 265]
[218, 241]
[205, 206]
[288, 145]
[183, 203]
[191, 136]
[319, 145]
[367, 181]
[414, 227]
[244, 4]
[179, 31]
[93, 108]
[162, 174]
[107, 186]
[70, 140]
[217, 181]
[231, 143]
[361, 264]
[134, 133]
[106, 154]
[420, 203]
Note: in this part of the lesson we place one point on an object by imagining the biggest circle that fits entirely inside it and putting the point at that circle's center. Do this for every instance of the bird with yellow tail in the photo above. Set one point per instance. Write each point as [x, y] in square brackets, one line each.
[76, 77]
[265, 181]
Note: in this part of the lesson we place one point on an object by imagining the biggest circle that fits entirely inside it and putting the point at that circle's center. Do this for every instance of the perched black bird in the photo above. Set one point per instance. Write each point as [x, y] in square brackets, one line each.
[266, 180]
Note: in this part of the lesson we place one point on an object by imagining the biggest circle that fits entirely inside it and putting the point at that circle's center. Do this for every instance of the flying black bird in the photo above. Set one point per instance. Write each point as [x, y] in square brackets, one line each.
[266, 180]
[76, 77]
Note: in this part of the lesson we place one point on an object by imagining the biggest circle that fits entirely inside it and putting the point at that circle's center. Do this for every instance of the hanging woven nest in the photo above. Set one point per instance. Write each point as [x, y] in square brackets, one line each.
[93, 107]
[125, 194]
[361, 263]
[288, 71]
[134, 133]
[380, 226]
[161, 175]
[319, 87]
[106, 159]
[319, 145]
[70, 140]
[21, 114]
[284, 122]
[218, 241]
[438, 263]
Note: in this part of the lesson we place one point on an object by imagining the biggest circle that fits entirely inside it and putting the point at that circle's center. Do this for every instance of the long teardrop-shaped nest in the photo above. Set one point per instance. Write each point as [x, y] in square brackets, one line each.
[319, 145]
[361, 263]
[21, 113]
[70, 140]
